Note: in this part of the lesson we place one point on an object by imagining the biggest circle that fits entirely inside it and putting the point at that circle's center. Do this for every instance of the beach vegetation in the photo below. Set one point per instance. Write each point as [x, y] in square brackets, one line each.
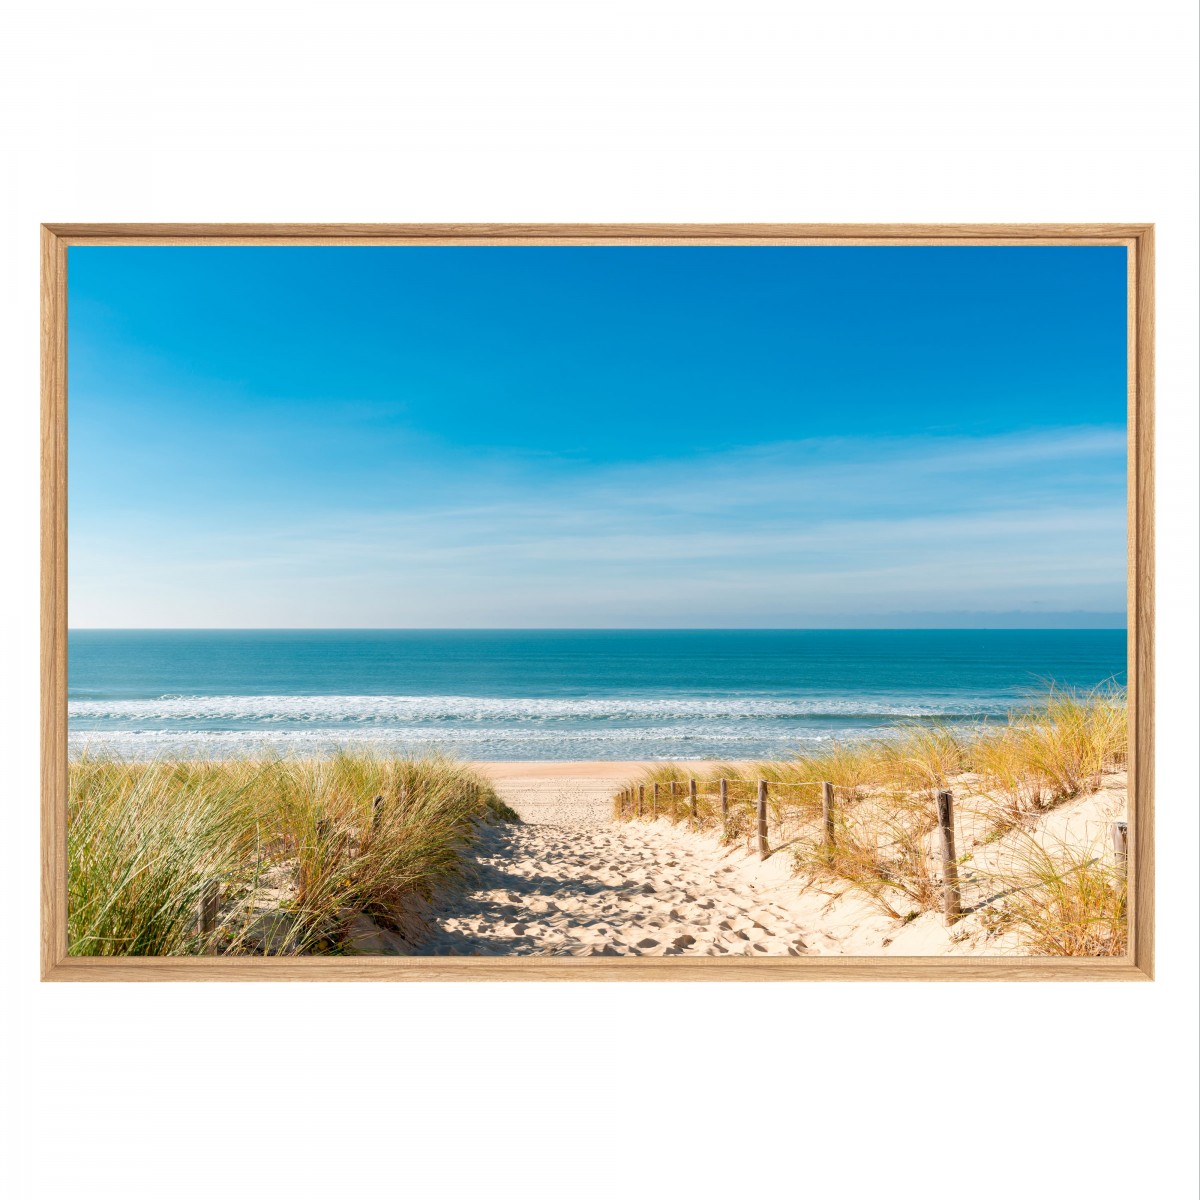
[301, 850]
[881, 837]
[1062, 899]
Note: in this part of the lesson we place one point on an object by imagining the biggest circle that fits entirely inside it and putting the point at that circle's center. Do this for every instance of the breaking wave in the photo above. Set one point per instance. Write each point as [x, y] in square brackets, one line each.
[391, 710]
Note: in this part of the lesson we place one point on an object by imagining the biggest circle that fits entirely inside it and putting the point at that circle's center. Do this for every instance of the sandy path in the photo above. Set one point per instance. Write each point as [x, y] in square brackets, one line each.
[562, 793]
[569, 882]
[609, 889]
[572, 794]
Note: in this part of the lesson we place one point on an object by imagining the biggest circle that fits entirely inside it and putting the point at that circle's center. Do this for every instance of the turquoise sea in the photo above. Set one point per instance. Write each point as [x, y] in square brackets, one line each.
[555, 694]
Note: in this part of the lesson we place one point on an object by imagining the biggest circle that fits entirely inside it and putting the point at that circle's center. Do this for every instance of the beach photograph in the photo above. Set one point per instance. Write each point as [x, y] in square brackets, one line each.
[598, 601]
[585, 579]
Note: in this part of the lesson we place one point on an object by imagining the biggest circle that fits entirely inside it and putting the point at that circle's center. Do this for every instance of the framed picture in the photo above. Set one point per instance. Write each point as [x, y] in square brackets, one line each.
[688, 602]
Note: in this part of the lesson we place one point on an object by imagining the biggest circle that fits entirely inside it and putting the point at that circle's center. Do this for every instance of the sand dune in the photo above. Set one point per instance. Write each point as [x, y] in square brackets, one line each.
[569, 881]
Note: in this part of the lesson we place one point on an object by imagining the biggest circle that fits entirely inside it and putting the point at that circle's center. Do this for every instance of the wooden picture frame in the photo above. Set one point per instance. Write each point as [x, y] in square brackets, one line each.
[57, 965]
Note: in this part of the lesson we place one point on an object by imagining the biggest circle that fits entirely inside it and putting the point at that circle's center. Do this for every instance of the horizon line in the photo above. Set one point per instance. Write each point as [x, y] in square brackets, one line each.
[596, 628]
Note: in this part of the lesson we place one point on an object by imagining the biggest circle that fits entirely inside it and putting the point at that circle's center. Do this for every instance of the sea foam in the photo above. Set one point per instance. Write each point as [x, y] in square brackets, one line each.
[407, 709]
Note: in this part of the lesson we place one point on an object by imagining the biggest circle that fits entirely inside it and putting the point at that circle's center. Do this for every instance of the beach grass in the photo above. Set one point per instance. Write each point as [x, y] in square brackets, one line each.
[1064, 899]
[1060, 896]
[299, 849]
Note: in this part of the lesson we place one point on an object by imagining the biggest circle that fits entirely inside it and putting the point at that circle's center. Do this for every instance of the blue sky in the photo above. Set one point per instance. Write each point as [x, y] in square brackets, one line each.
[597, 436]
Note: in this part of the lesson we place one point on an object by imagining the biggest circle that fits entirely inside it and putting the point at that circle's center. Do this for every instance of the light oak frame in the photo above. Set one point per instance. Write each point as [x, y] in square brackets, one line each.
[57, 965]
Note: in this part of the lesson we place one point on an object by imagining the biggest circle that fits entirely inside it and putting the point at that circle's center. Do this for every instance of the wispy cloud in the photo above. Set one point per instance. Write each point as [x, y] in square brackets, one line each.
[785, 533]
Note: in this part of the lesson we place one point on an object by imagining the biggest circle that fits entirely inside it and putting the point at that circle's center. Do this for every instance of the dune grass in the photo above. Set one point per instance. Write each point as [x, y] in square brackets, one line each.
[304, 836]
[1063, 900]
[142, 840]
[1053, 752]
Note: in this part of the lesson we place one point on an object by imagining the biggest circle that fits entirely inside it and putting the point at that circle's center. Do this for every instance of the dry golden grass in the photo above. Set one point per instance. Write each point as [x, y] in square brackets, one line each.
[881, 846]
[1063, 900]
[885, 817]
[1054, 751]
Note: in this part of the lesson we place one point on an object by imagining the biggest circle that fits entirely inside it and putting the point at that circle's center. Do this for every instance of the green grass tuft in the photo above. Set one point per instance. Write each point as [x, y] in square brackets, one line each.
[144, 837]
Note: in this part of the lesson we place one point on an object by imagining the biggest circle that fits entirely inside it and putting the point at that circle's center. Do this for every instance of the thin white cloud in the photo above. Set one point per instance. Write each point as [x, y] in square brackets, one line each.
[790, 530]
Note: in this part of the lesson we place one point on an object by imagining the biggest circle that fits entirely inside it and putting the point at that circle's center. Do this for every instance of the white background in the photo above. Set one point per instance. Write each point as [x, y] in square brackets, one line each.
[851, 111]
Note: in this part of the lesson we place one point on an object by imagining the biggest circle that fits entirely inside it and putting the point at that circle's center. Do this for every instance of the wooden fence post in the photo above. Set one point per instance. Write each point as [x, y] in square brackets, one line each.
[1120, 840]
[641, 798]
[207, 906]
[827, 813]
[376, 812]
[763, 851]
[724, 790]
[951, 896]
[692, 795]
[654, 800]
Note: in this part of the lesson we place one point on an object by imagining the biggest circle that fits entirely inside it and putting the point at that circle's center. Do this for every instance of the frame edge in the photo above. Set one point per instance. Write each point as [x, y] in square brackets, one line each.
[818, 969]
[53, 631]
[57, 966]
[1141, 470]
[863, 231]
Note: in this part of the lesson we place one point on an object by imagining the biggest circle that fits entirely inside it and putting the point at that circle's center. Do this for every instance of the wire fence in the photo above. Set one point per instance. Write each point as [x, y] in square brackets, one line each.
[921, 849]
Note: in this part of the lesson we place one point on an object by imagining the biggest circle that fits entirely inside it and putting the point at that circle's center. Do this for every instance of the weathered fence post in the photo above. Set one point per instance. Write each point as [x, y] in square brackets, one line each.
[951, 896]
[641, 798]
[654, 800]
[827, 813]
[763, 851]
[724, 791]
[1120, 840]
[692, 795]
[207, 905]
[376, 813]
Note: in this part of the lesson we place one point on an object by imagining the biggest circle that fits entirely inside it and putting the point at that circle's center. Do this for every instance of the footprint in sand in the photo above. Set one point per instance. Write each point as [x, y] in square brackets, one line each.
[584, 888]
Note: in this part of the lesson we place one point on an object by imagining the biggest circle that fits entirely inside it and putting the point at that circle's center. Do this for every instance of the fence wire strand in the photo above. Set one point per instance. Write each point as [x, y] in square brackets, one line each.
[889, 844]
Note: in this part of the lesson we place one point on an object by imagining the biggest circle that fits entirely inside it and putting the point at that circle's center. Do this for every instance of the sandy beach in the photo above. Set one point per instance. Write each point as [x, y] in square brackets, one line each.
[531, 858]
[562, 793]
[570, 881]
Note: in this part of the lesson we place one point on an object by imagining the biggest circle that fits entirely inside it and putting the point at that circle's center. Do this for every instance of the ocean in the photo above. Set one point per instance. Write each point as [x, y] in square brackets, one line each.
[554, 694]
